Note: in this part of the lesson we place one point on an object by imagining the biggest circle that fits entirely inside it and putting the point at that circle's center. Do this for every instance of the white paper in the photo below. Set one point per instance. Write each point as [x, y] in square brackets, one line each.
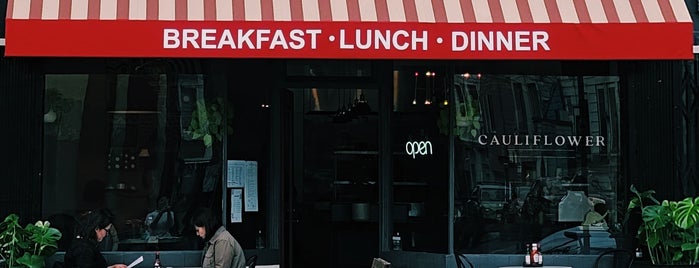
[251, 186]
[235, 173]
[237, 205]
[136, 262]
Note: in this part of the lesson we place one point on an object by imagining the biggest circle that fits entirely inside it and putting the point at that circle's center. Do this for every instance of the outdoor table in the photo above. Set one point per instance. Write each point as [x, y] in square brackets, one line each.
[545, 266]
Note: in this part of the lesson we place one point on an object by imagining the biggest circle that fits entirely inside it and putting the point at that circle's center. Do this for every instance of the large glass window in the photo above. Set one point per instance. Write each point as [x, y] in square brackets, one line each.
[536, 156]
[139, 145]
[420, 157]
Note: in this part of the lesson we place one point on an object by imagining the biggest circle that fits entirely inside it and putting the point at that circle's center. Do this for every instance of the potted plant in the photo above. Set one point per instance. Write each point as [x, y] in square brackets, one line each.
[668, 229]
[28, 246]
[209, 119]
[56, 105]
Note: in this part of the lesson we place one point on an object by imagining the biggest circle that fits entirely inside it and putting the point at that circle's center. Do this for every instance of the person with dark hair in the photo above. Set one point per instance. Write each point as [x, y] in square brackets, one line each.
[94, 198]
[221, 250]
[161, 220]
[66, 224]
[93, 227]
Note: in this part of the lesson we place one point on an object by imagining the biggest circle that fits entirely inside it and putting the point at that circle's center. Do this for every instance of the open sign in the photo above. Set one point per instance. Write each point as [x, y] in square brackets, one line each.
[414, 148]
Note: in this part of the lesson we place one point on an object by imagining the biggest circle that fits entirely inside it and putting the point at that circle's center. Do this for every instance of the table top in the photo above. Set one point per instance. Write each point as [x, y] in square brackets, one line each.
[545, 266]
[152, 240]
[256, 266]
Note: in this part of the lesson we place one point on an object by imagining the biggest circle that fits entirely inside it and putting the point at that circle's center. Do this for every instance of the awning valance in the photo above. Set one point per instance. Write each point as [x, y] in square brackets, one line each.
[357, 29]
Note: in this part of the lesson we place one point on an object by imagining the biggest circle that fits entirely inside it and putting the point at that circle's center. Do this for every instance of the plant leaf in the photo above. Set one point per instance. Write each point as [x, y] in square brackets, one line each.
[31, 261]
[686, 214]
[208, 140]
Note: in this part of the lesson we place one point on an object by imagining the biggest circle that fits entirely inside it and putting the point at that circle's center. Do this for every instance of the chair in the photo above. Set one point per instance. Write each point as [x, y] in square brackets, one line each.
[460, 259]
[380, 263]
[58, 264]
[622, 257]
[251, 261]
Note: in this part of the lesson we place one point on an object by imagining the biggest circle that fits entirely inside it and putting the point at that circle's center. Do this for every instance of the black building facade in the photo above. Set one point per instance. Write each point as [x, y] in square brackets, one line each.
[322, 176]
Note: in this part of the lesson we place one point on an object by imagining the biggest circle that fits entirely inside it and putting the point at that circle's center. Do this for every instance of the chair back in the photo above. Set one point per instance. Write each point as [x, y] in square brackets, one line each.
[621, 257]
[251, 261]
[380, 263]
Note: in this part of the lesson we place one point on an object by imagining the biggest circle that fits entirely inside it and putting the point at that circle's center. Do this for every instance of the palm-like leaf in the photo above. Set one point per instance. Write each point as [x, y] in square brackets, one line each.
[686, 213]
[27, 246]
[670, 229]
[656, 217]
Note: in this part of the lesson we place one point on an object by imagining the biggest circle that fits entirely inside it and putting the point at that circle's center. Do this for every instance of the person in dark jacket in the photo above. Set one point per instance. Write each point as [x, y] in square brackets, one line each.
[84, 251]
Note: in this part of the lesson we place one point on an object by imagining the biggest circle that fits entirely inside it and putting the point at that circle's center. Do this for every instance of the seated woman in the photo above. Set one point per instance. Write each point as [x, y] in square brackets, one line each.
[84, 252]
[221, 250]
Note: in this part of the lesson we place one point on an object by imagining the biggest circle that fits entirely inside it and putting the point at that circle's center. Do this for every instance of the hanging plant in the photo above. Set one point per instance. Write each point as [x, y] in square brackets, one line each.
[467, 114]
[209, 119]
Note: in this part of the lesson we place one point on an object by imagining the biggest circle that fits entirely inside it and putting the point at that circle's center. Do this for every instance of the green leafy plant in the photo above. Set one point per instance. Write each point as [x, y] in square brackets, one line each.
[209, 119]
[55, 101]
[28, 246]
[669, 228]
[468, 118]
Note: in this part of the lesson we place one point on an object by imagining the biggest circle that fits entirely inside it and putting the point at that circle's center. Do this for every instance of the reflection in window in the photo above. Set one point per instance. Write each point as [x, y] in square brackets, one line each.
[537, 154]
[420, 157]
[328, 68]
[128, 143]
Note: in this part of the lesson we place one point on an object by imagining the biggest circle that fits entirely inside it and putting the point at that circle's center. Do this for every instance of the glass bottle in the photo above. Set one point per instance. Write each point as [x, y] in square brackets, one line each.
[259, 241]
[157, 260]
[638, 253]
[396, 241]
[536, 256]
[528, 256]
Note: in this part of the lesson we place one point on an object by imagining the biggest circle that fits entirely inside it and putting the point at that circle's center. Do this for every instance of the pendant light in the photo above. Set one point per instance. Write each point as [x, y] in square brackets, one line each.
[429, 81]
[415, 90]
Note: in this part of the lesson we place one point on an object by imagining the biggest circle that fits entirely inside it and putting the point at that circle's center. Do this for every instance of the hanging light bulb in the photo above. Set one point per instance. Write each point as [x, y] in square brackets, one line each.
[429, 83]
[415, 90]
[446, 92]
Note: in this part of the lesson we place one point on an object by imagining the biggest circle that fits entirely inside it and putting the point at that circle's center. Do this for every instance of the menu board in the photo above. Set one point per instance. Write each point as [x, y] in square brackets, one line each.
[236, 170]
[236, 205]
[243, 174]
[251, 186]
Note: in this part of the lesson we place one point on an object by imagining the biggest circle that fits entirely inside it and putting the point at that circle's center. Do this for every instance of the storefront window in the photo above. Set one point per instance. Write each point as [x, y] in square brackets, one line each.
[137, 145]
[336, 198]
[535, 156]
[420, 146]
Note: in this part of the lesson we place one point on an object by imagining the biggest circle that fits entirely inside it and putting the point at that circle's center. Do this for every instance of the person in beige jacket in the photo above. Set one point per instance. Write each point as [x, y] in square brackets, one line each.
[221, 250]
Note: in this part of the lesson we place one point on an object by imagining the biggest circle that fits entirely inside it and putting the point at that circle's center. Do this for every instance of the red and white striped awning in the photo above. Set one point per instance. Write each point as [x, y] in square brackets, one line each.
[365, 29]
